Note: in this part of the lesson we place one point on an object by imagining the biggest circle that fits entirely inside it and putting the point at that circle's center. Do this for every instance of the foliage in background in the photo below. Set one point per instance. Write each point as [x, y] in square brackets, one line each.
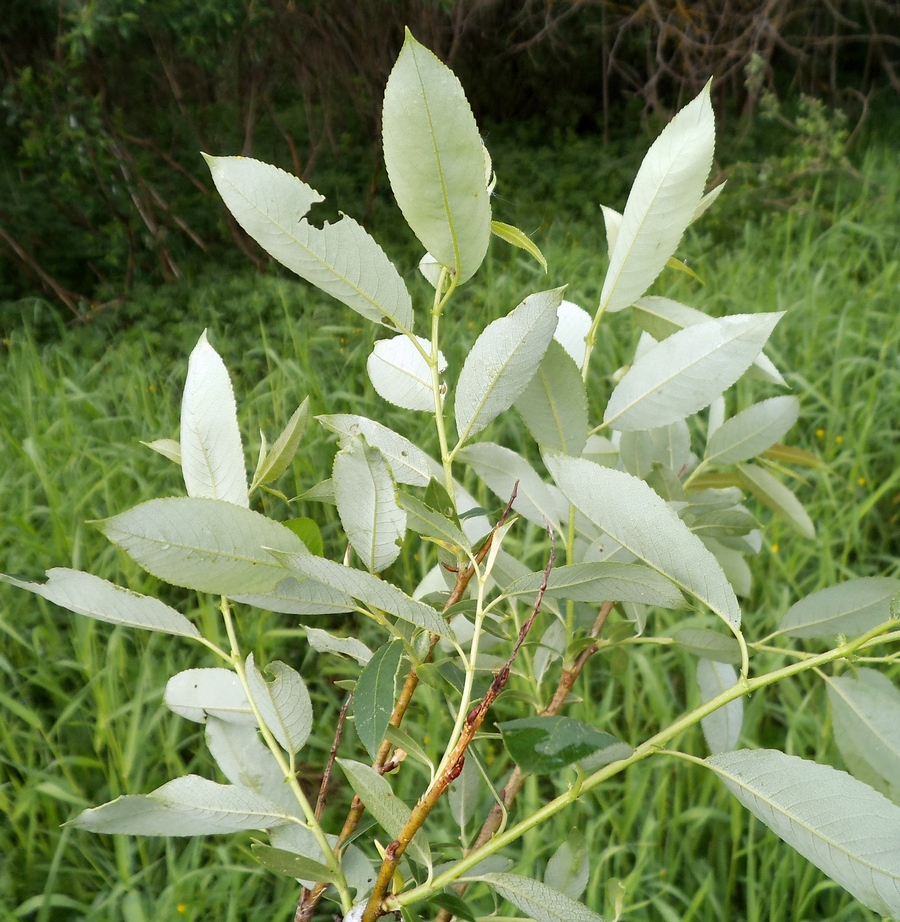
[106, 103]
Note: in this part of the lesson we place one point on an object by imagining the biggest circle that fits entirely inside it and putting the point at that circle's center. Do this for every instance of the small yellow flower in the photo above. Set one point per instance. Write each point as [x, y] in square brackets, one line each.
[839, 439]
[861, 481]
[181, 907]
[775, 548]
[820, 433]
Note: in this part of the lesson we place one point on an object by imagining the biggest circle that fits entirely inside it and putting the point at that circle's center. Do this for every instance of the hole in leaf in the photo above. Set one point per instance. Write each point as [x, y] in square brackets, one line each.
[322, 213]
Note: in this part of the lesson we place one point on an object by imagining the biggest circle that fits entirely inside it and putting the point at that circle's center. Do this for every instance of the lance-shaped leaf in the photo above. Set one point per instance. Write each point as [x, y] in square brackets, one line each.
[687, 371]
[323, 642]
[865, 710]
[275, 462]
[294, 596]
[844, 827]
[188, 806]
[503, 360]
[774, 494]
[602, 581]
[723, 727]
[212, 456]
[297, 866]
[537, 900]
[427, 522]
[519, 239]
[93, 597]
[390, 812]
[851, 608]
[370, 590]
[547, 744]
[435, 160]
[341, 259]
[572, 328]
[633, 514]
[367, 504]
[373, 700]
[554, 405]
[299, 840]
[401, 375]
[501, 467]
[204, 544]
[569, 867]
[709, 644]
[665, 195]
[753, 430]
[283, 704]
[168, 448]
[198, 693]
[408, 463]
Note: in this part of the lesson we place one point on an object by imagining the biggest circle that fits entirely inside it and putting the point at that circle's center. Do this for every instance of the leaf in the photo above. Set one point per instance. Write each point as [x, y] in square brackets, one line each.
[602, 582]
[283, 704]
[188, 806]
[554, 404]
[572, 328]
[373, 700]
[546, 744]
[294, 596]
[168, 448]
[612, 221]
[453, 904]
[367, 504]
[753, 430]
[666, 193]
[537, 900]
[503, 360]
[389, 811]
[518, 239]
[401, 375]
[93, 597]
[217, 692]
[299, 840]
[465, 795]
[341, 259]
[296, 866]
[371, 590]
[435, 160]
[408, 464]
[632, 514]
[276, 461]
[774, 494]
[430, 524]
[551, 648]
[501, 467]
[851, 608]
[309, 533]
[212, 456]
[669, 446]
[846, 829]
[723, 727]
[569, 867]
[400, 739]
[865, 711]
[708, 644]
[323, 642]
[687, 371]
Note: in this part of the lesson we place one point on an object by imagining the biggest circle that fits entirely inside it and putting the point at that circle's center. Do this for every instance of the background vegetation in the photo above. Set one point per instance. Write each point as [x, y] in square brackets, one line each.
[104, 141]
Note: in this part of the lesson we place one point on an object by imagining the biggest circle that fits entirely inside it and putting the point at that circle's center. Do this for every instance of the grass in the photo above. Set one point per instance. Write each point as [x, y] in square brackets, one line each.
[80, 705]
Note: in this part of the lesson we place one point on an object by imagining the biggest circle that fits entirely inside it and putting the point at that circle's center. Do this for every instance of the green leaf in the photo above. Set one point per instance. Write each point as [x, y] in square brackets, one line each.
[503, 360]
[666, 193]
[168, 448]
[774, 494]
[401, 375]
[603, 581]
[373, 701]
[518, 239]
[369, 589]
[299, 840]
[554, 404]
[283, 704]
[543, 745]
[97, 598]
[402, 740]
[569, 867]
[294, 596]
[188, 806]
[669, 446]
[212, 456]
[323, 642]
[865, 711]
[367, 504]
[435, 160]
[631, 513]
[846, 829]
[276, 461]
[296, 866]
[389, 811]
[466, 795]
[341, 259]
[723, 727]
[687, 371]
[216, 692]
[709, 644]
[430, 524]
[408, 464]
[452, 904]
[851, 608]
[753, 430]
[537, 900]
[308, 531]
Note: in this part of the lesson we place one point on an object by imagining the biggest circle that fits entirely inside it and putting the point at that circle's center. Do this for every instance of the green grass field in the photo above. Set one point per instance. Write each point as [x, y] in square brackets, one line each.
[81, 719]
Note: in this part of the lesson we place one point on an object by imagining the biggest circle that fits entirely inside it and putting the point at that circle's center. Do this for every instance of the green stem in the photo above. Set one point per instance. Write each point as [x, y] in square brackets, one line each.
[651, 747]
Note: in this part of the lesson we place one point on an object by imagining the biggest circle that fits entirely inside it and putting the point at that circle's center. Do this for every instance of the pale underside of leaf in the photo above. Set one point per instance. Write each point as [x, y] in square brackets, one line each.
[217, 692]
[723, 727]
[400, 373]
[850, 608]
[537, 900]
[283, 704]
[774, 494]
[753, 430]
